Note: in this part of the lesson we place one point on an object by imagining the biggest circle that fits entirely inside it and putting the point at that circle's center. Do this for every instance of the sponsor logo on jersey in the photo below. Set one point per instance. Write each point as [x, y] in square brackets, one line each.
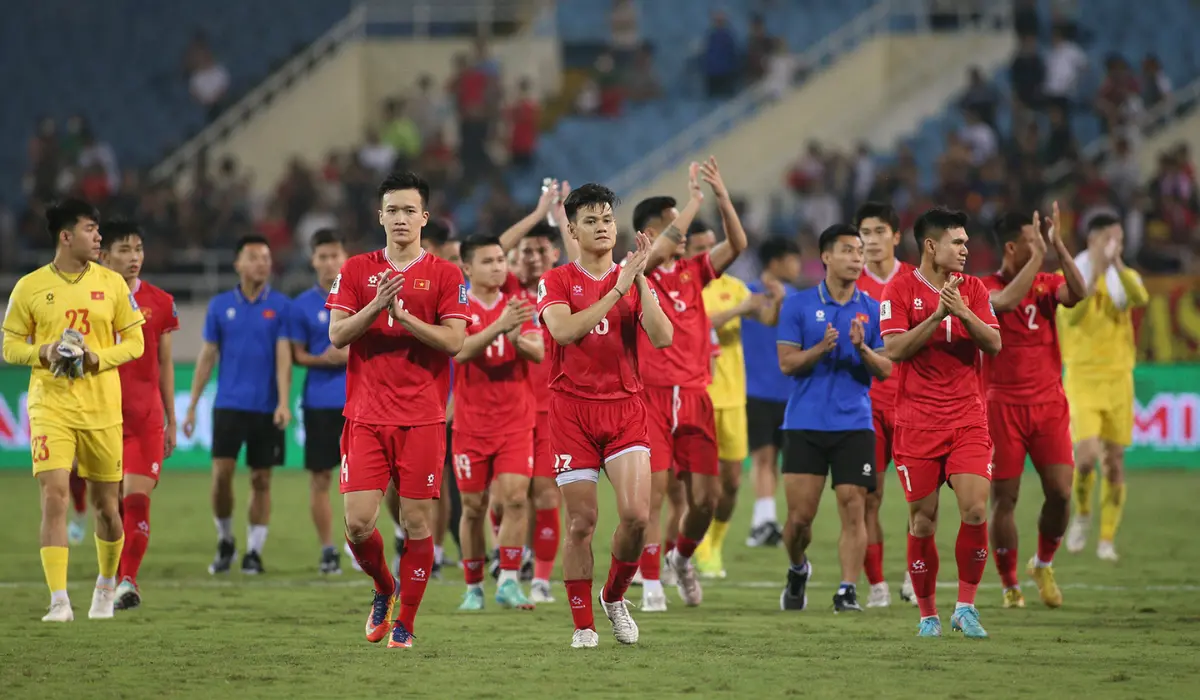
[132, 302]
[337, 284]
[462, 291]
[885, 310]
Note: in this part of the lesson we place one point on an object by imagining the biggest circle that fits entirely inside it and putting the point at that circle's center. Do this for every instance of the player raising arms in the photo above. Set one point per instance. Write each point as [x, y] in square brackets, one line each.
[494, 419]
[679, 410]
[592, 310]
[935, 321]
[66, 309]
[879, 226]
[403, 313]
[147, 401]
[1027, 409]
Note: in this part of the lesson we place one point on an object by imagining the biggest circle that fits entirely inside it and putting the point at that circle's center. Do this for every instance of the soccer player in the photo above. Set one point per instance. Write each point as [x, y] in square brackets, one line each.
[879, 226]
[73, 414]
[767, 389]
[495, 413]
[403, 314]
[246, 329]
[935, 321]
[1027, 409]
[683, 440]
[592, 310]
[829, 341]
[1099, 353]
[147, 401]
[324, 389]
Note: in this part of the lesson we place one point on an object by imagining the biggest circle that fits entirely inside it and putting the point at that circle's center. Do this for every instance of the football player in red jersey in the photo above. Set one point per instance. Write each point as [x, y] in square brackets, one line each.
[403, 313]
[147, 402]
[879, 226]
[595, 312]
[1026, 405]
[493, 427]
[935, 320]
[683, 433]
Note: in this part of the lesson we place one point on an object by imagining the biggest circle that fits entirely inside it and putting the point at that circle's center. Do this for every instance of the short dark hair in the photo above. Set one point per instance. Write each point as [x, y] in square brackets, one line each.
[404, 180]
[475, 242]
[650, 208]
[251, 239]
[1009, 224]
[697, 227]
[542, 230]
[877, 210]
[115, 231]
[589, 195]
[936, 221]
[325, 236]
[775, 248]
[436, 231]
[1101, 221]
[67, 213]
[830, 236]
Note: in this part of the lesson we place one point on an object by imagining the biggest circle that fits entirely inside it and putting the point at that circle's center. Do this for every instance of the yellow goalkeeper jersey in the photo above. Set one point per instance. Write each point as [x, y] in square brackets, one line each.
[728, 388]
[1096, 336]
[97, 303]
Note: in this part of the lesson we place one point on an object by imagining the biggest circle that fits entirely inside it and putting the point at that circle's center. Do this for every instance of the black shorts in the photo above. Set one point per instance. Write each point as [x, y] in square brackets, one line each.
[764, 422]
[232, 428]
[323, 438]
[846, 455]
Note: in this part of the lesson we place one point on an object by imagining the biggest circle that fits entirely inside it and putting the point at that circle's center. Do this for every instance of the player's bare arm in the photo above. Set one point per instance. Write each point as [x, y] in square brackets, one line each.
[545, 206]
[166, 389]
[516, 312]
[879, 366]
[795, 359]
[447, 335]
[283, 381]
[724, 253]
[902, 346]
[529, 345]
[1010, 296]
[1135, 291]
[570, 245]
[345, 328]
[1076, 288]
[654, 320]
[332, 357]
[768, 312]
[983, 335]
[672, 236]
[205, 361]
[567, 327]
[749, 306]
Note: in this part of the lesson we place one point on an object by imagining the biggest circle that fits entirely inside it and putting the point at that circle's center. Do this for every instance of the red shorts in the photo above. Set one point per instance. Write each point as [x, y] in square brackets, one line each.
[587, 434]
[543, 457]
[884, 418]
[682, 429]
[926, 458]
[1041, 431]
[375, 455]
[480, 458]
[143, 452]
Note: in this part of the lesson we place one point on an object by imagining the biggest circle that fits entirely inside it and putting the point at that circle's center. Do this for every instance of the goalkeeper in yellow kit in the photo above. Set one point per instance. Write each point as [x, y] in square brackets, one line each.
[74, 322]
[1098, 354]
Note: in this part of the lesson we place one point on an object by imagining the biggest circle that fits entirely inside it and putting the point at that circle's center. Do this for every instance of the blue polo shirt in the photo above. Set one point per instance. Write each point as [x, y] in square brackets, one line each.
[246, 331]
[764, 381]
[308, 325]
[834, 394]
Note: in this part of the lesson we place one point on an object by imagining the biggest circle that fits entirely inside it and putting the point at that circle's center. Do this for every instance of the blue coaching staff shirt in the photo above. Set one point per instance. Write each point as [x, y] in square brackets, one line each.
[308, 324]
[246, 332]
[835, 394]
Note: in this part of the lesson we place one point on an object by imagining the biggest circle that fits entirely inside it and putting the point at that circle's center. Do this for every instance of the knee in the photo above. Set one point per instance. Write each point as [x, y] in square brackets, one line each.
[1003, 502]
[799, 519]
[545, 497]
[515, 499]
[922, 524]
[853, 507]
[1114, 468]
[581, 525]
[260, 480]
[635, 520]
[974, 513]
[359, 526]
[319, 483]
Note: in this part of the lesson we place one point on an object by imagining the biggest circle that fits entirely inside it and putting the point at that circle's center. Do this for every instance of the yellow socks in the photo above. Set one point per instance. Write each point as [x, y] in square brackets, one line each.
[1112, 506]
[108, 556]
[54, 564]
[1082, 488]
[716, 534]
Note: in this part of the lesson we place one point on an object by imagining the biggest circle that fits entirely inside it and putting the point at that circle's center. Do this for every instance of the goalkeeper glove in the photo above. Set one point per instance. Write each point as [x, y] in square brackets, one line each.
[71, 351]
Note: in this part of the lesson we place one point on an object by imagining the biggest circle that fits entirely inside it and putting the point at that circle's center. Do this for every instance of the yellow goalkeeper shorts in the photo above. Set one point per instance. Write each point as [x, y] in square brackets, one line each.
[54, 446]
[1102, 409]
[733, 444]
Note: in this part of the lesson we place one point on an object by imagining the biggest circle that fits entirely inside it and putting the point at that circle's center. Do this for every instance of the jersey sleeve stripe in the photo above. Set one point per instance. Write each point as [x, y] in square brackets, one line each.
[551, 303]
[994, 325]
[341, 307]
[889, 331]
[135, 324]
[462, 316]
[790, 343]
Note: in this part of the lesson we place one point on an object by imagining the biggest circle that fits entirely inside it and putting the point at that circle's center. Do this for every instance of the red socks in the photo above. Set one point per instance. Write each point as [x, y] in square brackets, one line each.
[650, 563]
[579, 595]
[495, 521]
[414, 577]
[78, 493]
[1046, 548]
[473, 571]
[873, 563]
[545, 542]
[686, 546]
[923, 567]
[971, 554]
[370, 556]
[668, 545]
[1006, 564]
[136, 521]
[510, 558]
[620, 573]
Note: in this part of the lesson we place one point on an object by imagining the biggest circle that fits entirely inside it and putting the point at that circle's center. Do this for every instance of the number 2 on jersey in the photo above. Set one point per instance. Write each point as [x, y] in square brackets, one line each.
[80, 317]
[1031, 317]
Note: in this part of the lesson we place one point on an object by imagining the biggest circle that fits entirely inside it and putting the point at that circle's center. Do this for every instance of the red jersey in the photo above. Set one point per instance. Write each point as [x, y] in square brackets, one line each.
[493, 395]
[539, 373]
[1028, 369]
[392, 378]
[939, 386]
[141, 401]
[883, 392]
[603, 365]
[687, 362]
